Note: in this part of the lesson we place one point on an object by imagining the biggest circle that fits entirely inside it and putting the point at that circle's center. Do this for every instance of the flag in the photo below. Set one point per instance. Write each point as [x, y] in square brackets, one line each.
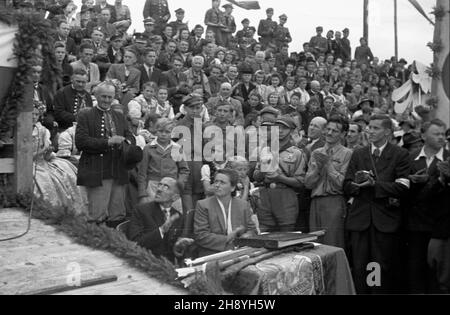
[421, 10]
[247, 5]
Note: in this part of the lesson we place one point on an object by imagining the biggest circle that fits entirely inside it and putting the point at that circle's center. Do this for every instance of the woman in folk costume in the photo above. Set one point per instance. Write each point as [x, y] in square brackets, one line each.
[55, 178]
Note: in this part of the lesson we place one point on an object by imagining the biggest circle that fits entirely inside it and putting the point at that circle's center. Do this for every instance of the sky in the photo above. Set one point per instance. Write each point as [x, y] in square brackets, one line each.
[304, 15]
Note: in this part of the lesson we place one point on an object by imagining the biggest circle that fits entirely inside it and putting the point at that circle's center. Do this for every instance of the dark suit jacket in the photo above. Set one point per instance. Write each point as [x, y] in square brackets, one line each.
[144, 229]
[371, 206]
[209, 224]
[172, 79]
[98, 160]
[64, 106]
[112, 58]
[157, 76]
[416, 204]
[133, 81]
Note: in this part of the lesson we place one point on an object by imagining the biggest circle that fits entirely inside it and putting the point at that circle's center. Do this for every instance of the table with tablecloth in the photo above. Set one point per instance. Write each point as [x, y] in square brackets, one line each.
[323, 270]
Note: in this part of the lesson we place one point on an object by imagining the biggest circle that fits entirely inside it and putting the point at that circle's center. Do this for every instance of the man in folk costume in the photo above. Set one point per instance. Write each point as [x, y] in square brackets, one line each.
[102, 135]
[70, 100]
[266, 29]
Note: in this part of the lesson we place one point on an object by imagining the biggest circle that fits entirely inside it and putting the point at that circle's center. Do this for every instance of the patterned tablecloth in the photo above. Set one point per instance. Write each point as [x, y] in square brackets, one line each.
[323, 270]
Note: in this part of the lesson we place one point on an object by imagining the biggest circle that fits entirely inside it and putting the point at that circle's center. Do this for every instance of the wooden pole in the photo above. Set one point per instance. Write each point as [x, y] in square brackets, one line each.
[396, 29]
[366, 20]
[23, 144]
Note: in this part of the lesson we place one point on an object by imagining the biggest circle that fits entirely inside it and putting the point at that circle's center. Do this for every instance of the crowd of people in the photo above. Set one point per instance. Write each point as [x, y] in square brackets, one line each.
[376, 181]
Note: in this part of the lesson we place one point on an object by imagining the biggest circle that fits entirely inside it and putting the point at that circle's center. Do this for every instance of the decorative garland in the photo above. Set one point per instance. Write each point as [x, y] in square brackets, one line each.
[34, 44]
[434, 71]
[436, 46]
[100, 238]
[439, 12]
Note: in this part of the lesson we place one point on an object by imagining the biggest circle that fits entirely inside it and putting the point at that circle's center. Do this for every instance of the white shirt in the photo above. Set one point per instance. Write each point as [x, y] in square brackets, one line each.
[227, 217]
[430, 159]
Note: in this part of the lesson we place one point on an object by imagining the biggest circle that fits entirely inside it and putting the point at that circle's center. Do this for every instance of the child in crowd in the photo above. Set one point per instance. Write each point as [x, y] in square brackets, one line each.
[162, 158]
[145, 103]
[209, 169]
[163, 107]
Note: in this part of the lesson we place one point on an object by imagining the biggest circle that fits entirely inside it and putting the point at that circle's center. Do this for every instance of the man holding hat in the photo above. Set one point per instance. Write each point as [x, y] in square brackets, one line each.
[178, 25]
[318, 44]
[325, 177]
[230, 24]
[159, 11]
[280, 175]
[266, 29]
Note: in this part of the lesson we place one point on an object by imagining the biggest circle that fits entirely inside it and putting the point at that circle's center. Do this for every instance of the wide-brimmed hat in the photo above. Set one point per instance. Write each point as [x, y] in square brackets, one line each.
[372, 103]
[131, 155]
[411, 138]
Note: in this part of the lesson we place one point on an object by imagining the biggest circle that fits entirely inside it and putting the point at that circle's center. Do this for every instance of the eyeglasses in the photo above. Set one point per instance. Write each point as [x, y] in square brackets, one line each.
[163, 187]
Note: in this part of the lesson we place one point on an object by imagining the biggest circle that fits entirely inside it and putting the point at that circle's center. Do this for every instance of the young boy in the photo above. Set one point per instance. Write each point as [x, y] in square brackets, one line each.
[158, 162]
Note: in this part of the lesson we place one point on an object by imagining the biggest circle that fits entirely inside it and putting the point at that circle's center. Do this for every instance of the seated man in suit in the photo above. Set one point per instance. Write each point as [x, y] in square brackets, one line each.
[221, 219]
[126, 73]
[157, 225]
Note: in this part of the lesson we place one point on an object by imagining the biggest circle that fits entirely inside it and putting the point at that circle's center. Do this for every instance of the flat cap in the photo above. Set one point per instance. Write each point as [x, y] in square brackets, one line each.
[179, 11]
[245, 21]
[227, 6]
[269, 110]
[149, 21]
[269, 10]
[283, 16]
[286, 121]
[193, 100]
[319, 28]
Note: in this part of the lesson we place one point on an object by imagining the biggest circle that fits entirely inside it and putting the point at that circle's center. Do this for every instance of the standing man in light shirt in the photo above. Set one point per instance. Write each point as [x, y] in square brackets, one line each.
[325, 177]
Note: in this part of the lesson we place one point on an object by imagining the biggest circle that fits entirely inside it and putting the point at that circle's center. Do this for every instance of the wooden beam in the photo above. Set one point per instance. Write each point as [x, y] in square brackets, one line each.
[366, 21]
[23, 143]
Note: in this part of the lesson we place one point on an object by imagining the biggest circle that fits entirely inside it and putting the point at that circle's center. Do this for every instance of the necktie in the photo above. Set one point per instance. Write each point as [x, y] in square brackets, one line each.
[167, 213]
[376, 154]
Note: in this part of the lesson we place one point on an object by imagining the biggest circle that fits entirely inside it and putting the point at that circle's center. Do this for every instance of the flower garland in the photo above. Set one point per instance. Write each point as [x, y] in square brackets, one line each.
[103, 238]
[34, 45]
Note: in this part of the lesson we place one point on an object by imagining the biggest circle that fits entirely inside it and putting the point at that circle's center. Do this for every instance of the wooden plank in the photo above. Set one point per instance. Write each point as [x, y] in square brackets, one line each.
[65, 288]
[23, 144]
[7, 166]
